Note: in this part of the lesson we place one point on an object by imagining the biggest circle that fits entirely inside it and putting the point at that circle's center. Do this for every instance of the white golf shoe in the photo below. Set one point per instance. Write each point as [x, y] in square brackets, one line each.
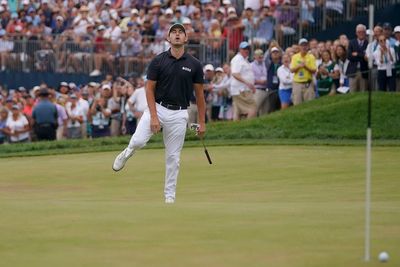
[169, 200]
[121, 159]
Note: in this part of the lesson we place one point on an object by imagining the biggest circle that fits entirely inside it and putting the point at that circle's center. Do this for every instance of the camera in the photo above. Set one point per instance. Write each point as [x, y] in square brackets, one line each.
[98, 108]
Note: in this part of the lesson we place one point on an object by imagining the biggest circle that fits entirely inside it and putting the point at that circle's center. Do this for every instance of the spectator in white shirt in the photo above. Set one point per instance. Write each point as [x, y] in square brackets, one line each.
[242, 84]
[385, 58]
[285, 77]
[17, 126]
[75, 118]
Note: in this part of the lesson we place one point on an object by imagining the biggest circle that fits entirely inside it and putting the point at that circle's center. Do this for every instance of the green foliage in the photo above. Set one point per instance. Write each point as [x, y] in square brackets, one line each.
[333, 120]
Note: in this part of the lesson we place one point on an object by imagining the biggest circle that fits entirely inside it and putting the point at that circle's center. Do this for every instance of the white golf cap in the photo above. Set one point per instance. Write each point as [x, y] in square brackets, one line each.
[93, 84]
[107, 2]
[4, 2]
[231, 9]
[106, 87]
[25, 2]
[303, 41]
[60, 18]
[221, 10]
[36, 88]
[226, 2]
[134, 11]
[275, 49]
[396, 29]
[186, 20]
[169, 11]
[219, 69]
[208, 67]
[64, 84]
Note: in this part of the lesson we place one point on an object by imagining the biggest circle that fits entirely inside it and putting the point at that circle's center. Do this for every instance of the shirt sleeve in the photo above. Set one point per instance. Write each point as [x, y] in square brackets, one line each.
[152, 71]
[198, 76]
[235, 66]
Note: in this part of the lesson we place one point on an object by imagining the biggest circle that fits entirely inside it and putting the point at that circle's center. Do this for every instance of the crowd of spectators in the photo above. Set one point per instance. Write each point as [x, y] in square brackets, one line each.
[120, 37]
[275, 78]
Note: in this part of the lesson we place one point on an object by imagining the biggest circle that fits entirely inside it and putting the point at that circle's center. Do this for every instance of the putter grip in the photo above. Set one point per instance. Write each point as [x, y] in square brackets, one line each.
[208, 156]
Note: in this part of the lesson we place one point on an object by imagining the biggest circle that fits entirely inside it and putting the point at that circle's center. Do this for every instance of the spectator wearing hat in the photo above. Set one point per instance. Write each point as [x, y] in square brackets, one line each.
[385, 58]
[102, 55]
[357, 70]
[45, 117]
[133, 18]
[221, 86]
[371, 48]
[242, 84]
[17, 126]
[82, 20]
[59, 26]
[397, 50]
[387, 31]
[303, 65]
[271, 100]
[234, 29]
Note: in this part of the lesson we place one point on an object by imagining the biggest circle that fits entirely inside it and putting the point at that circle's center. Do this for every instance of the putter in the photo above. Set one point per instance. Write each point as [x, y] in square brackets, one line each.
[195, 127]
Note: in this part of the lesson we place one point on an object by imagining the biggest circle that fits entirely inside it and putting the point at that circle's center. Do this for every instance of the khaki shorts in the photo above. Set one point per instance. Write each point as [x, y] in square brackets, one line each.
[243, 104]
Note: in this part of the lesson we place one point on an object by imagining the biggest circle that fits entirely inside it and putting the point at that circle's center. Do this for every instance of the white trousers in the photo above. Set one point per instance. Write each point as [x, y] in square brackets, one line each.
[173, 123]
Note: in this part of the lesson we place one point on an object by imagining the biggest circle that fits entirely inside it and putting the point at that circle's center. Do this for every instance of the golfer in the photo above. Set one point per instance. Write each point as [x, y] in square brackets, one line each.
[171, 78]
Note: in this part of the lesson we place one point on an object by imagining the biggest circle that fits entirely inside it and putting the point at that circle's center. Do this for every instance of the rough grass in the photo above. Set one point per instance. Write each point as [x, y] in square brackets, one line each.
[280, 206]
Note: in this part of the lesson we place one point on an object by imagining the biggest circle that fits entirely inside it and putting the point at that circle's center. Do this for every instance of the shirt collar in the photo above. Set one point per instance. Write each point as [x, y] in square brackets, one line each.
[171, 56]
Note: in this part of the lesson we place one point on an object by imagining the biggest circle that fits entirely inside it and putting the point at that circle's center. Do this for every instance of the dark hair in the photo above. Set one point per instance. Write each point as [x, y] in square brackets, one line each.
[344, 49]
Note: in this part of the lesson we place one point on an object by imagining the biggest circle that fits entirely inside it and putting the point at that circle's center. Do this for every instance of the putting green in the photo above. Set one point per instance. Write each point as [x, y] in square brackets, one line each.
[255, 206]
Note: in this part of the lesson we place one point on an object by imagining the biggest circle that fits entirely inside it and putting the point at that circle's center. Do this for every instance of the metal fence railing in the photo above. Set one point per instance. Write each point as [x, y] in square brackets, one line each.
[66, 56]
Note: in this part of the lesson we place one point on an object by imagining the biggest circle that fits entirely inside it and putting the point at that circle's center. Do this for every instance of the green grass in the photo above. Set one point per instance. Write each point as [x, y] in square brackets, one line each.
[338, 120]
[294, 206]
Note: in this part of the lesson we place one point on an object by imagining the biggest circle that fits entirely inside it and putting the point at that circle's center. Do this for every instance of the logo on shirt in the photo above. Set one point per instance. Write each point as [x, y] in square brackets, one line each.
[186, 69]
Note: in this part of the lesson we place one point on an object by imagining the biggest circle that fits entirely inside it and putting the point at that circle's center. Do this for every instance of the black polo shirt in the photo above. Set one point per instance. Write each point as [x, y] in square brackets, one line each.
[175, 77]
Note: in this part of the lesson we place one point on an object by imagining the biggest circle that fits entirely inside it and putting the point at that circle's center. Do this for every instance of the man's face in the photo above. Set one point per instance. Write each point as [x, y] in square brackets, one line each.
[177, 36]
[397, 35]
[361, 33]
[245, 52]
[209, 74]
[387, 32]
[303, 48]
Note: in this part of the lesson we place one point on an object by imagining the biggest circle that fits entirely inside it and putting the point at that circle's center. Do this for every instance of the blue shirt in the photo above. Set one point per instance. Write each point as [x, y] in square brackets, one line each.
[45, 112]
[2, 126]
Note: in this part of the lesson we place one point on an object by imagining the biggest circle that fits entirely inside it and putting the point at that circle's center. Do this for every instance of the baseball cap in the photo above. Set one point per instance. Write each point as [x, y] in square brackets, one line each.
[186, 21]
[244, 45]
[134, 11]
[176, 25]
[387, 25]
[219, 69]
[15, 106]
[396, 29]
[60, 18]
[226, 2]
[169, 11]
[231, 9]
[275, 49]
[73, 96]
[303, 41]
[36, 88]
[106, 86]
[107, 2]
[101, 27]
[208, 67]
[93, 84]
[221, 10]
[64, 84]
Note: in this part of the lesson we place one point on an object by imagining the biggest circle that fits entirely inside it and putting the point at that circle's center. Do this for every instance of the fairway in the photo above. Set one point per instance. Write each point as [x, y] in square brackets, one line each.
[277, 206]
